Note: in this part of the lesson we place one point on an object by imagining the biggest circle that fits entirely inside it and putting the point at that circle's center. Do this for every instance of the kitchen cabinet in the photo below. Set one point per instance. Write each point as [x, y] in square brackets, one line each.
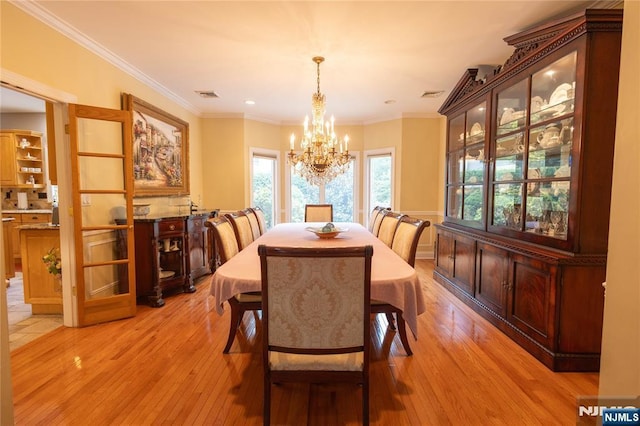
[9, 264]
[18, 220]
[22, 159]
[42, 290]
[528, 180]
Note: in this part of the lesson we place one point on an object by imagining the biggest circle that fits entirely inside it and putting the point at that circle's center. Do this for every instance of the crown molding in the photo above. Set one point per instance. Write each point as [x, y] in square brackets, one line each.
[35, 10]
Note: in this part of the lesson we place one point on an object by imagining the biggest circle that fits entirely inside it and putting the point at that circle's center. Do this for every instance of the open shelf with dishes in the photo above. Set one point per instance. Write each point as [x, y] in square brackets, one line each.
[22, 157]
[528, 187]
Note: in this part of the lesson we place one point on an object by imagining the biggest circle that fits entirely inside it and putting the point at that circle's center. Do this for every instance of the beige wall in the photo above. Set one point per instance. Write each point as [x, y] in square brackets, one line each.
[223, 157]
[64, 65]
[620, 362]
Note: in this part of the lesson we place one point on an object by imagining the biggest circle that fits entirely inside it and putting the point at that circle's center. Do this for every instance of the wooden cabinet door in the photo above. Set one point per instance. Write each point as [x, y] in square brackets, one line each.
[532, 298]
[14, 234]
[8, 151]
[464, 260]
[492, 272]
[444, 253]
[9, 265]
[198, 246]
[455, 259]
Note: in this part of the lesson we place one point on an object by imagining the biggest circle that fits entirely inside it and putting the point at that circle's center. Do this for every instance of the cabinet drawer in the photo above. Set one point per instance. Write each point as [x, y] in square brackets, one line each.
[35, 218]
[171, 225]
[17, 217]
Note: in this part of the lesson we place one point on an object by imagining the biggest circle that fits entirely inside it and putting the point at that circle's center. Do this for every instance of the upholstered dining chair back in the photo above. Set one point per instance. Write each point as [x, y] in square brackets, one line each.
[406, 237]
[261, 219]
[375, 226]
[253, 221]
[224, 237]
[374, 214]
[388, 226]
[318, 213]
[242, 228]
[316, 307]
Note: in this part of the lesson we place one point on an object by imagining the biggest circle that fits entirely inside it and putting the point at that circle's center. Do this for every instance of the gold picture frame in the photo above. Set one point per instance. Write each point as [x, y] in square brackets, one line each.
[160, 150]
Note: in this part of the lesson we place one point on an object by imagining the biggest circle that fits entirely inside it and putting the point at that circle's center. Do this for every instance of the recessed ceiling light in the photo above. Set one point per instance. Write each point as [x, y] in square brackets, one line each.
[250, 102]
[431, 93]
[207, 93]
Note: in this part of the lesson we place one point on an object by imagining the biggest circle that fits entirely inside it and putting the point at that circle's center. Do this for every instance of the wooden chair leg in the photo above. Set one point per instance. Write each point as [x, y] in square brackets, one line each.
[365, 401]
[266, 411]
[402, 331]
[390, 319]
[236, 316]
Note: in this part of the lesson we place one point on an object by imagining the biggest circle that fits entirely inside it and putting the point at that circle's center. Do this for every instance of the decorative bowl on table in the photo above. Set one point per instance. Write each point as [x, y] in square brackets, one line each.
[327, 231]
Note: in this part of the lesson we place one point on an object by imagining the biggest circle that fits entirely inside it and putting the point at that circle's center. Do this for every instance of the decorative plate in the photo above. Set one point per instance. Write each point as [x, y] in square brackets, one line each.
[476, 129]
[559, 96]
[324, 234]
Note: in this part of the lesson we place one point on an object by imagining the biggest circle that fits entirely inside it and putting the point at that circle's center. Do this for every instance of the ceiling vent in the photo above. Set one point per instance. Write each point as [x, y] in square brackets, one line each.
[207, 94]
[432, 93]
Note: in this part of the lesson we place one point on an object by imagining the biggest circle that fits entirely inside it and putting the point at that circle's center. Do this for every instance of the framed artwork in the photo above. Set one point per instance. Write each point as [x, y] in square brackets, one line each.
[160, 150]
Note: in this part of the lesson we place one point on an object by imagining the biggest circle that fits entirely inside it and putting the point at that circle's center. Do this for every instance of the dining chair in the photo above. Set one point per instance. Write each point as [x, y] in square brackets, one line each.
[375, 227]
[315, 322]
[373, 216]
[405, 244]
[242, 228]
[253, 221]
[388, 226]
[406, 237]
[225, 237]
[318, 213]
[261, 219]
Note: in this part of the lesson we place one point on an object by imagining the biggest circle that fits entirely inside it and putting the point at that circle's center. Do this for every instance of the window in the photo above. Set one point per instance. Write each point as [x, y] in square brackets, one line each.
[341, 192]
[264, 183]
[378, 179]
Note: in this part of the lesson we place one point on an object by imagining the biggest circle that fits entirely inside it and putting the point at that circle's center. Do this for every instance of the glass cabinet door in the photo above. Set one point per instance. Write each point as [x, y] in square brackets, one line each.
[466, 166]
[532, 158]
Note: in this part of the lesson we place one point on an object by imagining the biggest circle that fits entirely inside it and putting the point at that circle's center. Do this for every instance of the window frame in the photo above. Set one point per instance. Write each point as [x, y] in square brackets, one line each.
[275, 156]
[382, 152]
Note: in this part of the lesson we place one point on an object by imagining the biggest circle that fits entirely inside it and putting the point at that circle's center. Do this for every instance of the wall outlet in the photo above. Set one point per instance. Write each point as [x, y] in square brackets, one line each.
[86, 199]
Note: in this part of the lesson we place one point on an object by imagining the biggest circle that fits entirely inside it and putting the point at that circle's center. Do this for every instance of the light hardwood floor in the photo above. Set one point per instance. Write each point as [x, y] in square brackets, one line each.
[166, 366]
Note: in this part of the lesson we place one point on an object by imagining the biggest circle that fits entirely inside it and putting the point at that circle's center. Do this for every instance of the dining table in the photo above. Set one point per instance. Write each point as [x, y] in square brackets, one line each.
[393, 280]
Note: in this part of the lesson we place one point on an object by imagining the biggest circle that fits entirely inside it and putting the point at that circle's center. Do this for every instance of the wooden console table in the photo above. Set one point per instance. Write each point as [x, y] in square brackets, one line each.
[171, 251]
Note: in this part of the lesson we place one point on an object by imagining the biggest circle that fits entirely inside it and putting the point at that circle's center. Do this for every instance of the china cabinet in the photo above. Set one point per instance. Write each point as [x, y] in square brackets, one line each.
[22, 159]
[528, 187]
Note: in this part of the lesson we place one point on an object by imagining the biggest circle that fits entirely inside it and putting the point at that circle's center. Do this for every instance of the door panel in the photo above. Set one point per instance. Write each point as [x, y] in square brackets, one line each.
[464, 257]
[532, 298]
[492, 277]
[102, 187]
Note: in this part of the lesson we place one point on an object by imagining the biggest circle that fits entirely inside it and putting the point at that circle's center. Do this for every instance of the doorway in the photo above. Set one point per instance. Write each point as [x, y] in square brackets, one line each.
[20, 110]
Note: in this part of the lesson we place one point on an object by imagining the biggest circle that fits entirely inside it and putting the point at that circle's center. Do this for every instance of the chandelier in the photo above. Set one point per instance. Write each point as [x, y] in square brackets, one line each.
[323, 157]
